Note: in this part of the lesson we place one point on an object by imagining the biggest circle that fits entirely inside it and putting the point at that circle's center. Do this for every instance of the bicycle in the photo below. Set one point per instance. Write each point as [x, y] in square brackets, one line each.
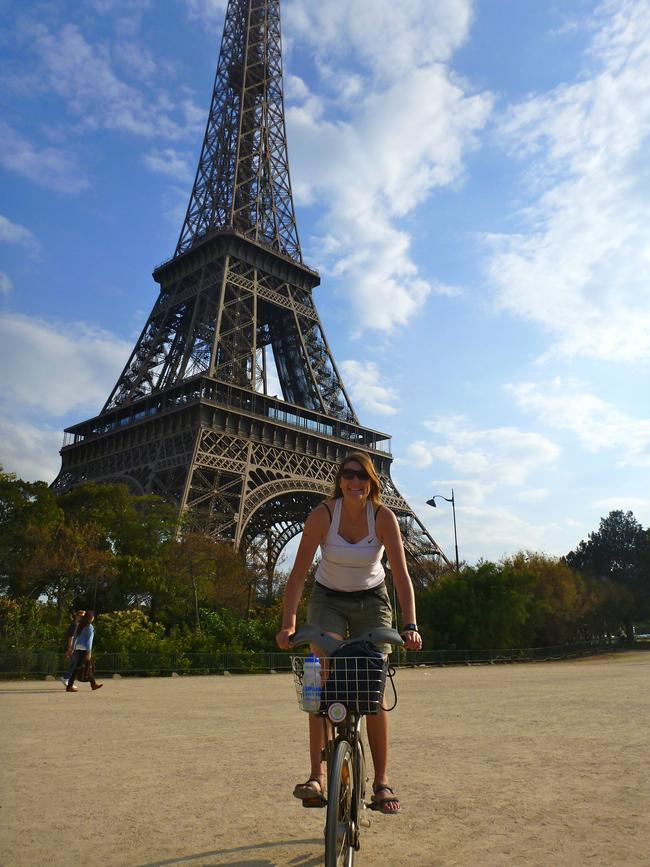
[349, 692]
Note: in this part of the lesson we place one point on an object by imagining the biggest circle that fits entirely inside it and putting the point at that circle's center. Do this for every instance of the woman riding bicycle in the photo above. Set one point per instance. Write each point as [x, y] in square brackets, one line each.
[352, 528]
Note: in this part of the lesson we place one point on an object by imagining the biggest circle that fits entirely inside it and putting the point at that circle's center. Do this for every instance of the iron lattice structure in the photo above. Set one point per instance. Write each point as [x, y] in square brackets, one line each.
[242, 179]
[193, 416]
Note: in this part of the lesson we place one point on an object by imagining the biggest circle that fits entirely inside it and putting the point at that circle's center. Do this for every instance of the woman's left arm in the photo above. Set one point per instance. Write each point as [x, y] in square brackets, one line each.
[389, 535]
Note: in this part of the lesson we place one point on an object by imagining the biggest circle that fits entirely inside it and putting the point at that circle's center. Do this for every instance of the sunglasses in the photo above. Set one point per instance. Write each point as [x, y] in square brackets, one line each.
[349, 474]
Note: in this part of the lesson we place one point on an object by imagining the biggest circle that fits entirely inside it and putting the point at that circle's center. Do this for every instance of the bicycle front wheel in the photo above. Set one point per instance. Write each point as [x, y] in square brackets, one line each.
[339, 831]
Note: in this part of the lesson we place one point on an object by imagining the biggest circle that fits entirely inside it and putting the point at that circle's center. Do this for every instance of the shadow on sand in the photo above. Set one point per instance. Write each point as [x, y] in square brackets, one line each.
[308, 859]
[33, 691]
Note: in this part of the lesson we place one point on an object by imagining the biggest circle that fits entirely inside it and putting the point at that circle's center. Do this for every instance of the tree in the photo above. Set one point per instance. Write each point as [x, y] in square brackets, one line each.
[487, 606]
[129, 532]
[29, 521]
[76, 558]
[202, 572]
[128, 631]
[561, 600]
[618, 553]
[23, 626]
[427, 573]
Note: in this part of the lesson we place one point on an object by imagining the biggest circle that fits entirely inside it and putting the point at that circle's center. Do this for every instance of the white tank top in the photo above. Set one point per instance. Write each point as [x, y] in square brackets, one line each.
[350, 566]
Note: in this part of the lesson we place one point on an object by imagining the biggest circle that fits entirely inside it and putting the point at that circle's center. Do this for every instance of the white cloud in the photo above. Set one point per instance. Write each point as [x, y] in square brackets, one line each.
[193, 116]
[111, 83]
[49, 167]
[175, 207]
[378, 138]
[53, 368]
[91, 78]
[295, 88]
[497, 532]
[105, 7]
[363, 380]
[534, 495]
[5, 284]
[137, 59]
[50, 369]
[599, 425]
[494, 457]
[168, 162]
[29, 451]
[639, 506]
[578, 265]
[469, 492]
[273, 384]
[484, 528]
[83, 75]
[386, 37]
[418, 454]
[13, 233]
[210, 12]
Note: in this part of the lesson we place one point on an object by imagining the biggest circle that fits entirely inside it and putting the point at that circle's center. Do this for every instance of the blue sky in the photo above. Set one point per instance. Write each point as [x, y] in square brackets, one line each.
[471, 181]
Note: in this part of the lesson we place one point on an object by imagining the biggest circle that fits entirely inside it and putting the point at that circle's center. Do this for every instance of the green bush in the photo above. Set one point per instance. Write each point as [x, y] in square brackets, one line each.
[128, 631]
[24, 626]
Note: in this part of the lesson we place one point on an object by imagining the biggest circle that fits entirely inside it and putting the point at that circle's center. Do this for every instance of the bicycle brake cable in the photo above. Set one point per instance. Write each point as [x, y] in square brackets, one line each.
[390, 671]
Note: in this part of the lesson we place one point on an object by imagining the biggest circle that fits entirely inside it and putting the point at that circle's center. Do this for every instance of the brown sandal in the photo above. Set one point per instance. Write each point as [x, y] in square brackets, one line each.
[380, 804]
[310, 793]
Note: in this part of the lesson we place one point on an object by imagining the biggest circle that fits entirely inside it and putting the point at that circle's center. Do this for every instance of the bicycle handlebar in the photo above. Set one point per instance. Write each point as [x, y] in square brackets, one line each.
[309, 634]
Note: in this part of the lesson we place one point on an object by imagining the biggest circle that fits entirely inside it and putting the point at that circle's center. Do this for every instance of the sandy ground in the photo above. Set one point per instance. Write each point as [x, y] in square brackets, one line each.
[538, 764]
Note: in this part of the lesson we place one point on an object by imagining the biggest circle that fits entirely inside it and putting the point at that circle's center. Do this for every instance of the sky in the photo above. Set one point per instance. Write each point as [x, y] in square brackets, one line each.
[471, 180]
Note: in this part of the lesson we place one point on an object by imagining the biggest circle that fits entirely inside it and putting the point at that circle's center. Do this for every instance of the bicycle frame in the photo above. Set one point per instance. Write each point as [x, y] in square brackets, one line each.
[345, 736]
[344, 755]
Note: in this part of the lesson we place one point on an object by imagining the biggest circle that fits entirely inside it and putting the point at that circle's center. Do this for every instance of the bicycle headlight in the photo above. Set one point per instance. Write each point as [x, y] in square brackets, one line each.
[337, 712]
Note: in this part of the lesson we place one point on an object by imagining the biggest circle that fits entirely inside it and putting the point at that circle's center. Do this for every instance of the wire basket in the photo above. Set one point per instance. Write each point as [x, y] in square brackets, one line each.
[356, 681]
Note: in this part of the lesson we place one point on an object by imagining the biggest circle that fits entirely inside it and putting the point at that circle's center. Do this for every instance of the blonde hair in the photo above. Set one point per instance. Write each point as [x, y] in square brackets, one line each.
[367, 464]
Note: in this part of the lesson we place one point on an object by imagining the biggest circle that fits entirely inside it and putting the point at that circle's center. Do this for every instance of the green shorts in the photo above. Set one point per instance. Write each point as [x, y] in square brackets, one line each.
[350, 614]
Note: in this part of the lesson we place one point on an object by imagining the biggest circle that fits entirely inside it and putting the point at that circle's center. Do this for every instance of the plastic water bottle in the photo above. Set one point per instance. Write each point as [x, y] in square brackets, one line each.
[311, 684]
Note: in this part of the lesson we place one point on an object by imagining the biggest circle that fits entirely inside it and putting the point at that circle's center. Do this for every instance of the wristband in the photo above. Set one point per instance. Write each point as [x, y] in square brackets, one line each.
[411, 627]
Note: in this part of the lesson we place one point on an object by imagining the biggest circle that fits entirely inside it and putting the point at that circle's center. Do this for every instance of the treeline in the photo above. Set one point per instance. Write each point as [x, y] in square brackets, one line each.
[103, 548]
[28, 625]
[531, 600]
[598, 591]
[157, 587]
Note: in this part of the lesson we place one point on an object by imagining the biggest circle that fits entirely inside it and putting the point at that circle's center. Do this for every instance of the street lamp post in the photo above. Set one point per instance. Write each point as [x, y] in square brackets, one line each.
[432, 502]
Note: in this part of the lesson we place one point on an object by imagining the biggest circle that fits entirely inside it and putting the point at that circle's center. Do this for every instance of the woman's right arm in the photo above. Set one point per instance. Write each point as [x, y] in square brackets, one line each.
[89, 640]
[316, 527]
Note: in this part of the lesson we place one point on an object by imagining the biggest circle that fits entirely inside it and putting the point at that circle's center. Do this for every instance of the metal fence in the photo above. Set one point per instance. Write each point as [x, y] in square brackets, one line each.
[29, 664]
[525, 654]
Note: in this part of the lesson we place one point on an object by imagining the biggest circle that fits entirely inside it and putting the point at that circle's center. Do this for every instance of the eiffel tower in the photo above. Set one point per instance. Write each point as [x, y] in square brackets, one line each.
[192, 416]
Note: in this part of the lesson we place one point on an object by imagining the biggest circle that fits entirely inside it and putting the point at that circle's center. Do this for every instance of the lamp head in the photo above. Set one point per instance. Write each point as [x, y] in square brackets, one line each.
[432, 502]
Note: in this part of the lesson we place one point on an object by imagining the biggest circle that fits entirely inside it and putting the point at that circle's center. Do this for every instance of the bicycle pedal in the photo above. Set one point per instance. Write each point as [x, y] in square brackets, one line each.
[364, 822]
[314, 803]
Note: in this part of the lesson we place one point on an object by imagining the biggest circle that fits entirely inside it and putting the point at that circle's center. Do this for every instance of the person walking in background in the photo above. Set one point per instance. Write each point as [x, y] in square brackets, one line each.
[70, 636]
[82, 653]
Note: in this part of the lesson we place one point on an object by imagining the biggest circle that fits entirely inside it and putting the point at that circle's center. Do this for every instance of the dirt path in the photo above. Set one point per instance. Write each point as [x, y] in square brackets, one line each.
[537, 764]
